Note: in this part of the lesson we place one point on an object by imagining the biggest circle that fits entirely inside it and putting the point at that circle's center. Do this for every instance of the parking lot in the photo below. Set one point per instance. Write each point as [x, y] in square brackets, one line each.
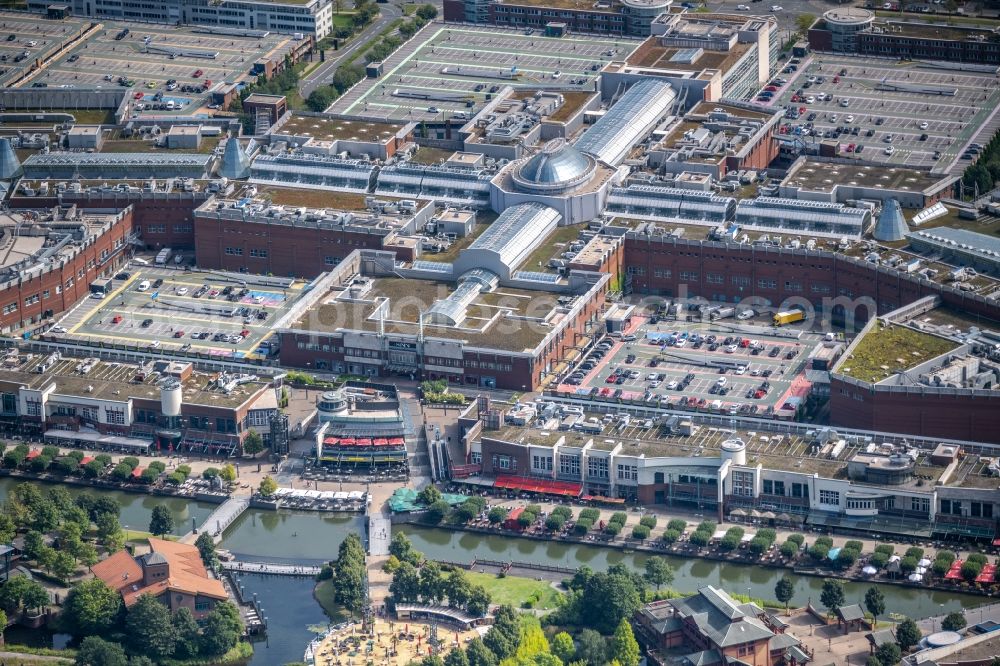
[111, 58]
[757, 371]
[903, 114]
[23, 38]
[217, 313]
[450, 72]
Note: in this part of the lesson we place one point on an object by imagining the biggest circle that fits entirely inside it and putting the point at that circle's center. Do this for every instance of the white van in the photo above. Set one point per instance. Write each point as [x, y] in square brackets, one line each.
[143, 286]
[170, 105]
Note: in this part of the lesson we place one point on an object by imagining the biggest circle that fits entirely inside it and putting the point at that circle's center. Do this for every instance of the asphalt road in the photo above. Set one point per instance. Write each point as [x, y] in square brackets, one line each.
[323, 74]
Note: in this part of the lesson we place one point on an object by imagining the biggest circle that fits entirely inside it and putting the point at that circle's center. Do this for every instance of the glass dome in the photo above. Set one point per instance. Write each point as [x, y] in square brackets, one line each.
[557, 166]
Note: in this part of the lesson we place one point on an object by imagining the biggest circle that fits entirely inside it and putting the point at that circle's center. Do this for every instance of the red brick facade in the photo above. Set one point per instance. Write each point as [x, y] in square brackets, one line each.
[64, 284]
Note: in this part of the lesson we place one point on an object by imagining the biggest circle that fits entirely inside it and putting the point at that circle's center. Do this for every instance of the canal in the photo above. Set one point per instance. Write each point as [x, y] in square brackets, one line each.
[305, 537]
[136, 508]
[758, 582]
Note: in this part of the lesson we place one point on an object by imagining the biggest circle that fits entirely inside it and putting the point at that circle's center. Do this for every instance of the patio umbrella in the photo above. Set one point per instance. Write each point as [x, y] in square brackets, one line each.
[869, 571]
[767, 515]
[783, 517]
[915, 578]
[924, 562]
[737, 512]
[754, 513]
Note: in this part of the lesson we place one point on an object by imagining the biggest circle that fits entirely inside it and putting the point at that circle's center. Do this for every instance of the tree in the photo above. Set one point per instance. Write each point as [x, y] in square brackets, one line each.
[456, 657]
[21, 592]
[497, 515]
[33, 544]
[659, 572]
[405, 585]
[624, 647]
[349, 574]
[504, 635]
[254, 443]
[140, 660]
[479, 601]
[803, 21]
[210, 473]
[563, 647]
[401, 547]
[186, 634]
[607, 599]
[437, 511]
[7, 528]
[875, 603]
[432, 583]
[228, 473]
[908, 634]
[149, 629]
[205, 544]
[832, 596]
[784, 590]
[221, 630]
[429, 495]
[161, 522]
[64, 565]
[592, 648]
[91, 608]
[953, 621]
[479, 654]
[889, 654]
[458, 589]
[268, 487]
[95, 651]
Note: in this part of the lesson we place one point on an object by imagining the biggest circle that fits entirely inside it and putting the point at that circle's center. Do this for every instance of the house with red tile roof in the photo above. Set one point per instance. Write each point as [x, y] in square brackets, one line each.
[172, 572]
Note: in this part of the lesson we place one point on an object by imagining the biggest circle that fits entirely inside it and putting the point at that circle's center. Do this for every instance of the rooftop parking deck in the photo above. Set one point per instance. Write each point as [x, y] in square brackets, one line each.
[927, 116]
[101, 59]
[449, 72]
[180, 316]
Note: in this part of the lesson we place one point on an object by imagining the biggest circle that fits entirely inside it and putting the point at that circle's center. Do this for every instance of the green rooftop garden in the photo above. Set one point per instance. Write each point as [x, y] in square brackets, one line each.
[885, 350]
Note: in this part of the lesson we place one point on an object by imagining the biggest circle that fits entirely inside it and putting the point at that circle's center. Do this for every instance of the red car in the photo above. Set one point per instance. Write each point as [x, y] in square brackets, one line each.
[850, 147]
[117, 319]
[772, 88]
[138, 95]
[179, 334]
[745, 342]
[197, 74]
[836, 79]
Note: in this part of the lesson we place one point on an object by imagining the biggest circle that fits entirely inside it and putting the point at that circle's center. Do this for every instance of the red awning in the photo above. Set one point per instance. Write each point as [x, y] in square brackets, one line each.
[33, 453]
[545, 486]
[137, 472]
[397, 441]
[86, 459]
[381, 441]
[348, 441]
[955, 573]
[364, 441]
[988, 574]
[331, 441]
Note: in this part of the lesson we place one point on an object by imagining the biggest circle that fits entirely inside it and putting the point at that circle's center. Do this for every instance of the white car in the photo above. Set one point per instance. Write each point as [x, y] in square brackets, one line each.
[671, 385]
[181, 291]
[777, 8]
[810, 99]
[651, 376]
[742, 8]
[811, 79]
[154, 344]
[741, 369]
[57, 329]
[833, 117]
[654, 385]
[721, 381]
[889, 150]
[681, 342]
[731, 349]
[744, 315]
[628, 337]
[849, 119]
[31, 43]
[924, 125]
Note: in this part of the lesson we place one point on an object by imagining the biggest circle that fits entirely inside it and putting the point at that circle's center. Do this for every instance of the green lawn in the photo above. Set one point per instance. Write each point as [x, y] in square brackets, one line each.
[515, 591]
[552, 246]
[324, 595]
[886, 350]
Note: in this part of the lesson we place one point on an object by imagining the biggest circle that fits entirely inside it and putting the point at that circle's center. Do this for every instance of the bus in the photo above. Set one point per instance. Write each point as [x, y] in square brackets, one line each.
[100, 288]
[788, 317]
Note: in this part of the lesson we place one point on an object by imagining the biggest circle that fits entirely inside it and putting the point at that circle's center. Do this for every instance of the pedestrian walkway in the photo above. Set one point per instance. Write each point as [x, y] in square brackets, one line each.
[220, 519]
[973, 616]
[379, 534]
[271, 568]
